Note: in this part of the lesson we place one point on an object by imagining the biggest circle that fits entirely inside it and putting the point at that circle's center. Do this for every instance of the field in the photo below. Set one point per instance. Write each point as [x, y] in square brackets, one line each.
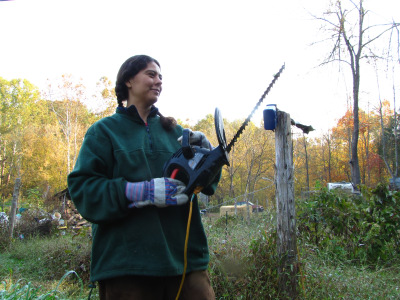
[243, 265]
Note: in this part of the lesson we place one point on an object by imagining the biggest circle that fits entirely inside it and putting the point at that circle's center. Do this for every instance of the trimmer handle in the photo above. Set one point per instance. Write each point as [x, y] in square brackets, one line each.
[188, 151]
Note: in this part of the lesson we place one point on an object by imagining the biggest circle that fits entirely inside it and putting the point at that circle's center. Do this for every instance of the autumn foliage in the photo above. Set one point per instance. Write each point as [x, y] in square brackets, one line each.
[41, 133]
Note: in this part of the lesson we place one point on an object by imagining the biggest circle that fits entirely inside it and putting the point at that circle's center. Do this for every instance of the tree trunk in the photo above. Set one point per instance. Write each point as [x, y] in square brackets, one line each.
[307, 173]
[329, 159]
[231, 173]
[355, 68]
[14, 205]
[354, 162]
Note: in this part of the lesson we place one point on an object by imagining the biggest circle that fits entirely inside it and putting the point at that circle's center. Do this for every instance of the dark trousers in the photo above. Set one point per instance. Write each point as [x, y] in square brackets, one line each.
[196, 286]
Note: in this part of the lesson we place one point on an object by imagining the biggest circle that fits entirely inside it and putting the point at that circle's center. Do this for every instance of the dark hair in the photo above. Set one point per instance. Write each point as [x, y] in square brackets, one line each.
[128, 70]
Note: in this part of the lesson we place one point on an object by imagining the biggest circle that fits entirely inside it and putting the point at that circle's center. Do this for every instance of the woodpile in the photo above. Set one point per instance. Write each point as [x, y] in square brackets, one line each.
[72, 219]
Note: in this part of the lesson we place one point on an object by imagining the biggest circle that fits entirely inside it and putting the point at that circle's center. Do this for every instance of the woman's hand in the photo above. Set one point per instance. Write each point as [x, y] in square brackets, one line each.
[160, 192]
[198, 138]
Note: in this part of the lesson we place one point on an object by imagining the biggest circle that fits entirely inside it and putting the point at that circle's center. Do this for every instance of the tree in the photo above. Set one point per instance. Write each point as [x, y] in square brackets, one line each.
[328, 139]
[107, 102]
[68, 104]
[255, 146]
[19, 107]
[307, 169]
[388, 144]
[393, 170]
[43, 154]
[352, 43]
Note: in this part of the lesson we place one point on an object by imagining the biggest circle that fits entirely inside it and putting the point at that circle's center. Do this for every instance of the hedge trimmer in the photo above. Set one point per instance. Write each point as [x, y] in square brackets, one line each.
[196, 166]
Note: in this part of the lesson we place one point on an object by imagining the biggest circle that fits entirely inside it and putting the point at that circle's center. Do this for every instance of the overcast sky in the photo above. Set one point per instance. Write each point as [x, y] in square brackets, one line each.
[213, 53]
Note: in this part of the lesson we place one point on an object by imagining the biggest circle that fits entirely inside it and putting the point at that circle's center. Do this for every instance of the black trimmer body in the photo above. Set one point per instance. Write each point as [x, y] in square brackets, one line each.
[197, 167]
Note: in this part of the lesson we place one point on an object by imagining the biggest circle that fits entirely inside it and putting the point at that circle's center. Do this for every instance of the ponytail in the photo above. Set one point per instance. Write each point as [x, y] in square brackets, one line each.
[168, 123]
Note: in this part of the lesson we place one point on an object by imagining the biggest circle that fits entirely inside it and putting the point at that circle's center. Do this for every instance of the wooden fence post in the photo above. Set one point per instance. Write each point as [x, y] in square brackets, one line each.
[286, 218]
[14, 204]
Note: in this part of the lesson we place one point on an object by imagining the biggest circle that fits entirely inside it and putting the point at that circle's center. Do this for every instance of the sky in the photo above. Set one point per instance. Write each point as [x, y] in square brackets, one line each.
[213, 53]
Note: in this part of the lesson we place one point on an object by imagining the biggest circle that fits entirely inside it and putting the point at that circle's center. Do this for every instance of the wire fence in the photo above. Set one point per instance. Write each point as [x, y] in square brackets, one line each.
[233, 200]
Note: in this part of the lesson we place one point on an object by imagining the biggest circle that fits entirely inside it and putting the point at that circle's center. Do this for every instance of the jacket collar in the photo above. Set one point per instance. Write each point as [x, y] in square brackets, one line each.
[132, 111]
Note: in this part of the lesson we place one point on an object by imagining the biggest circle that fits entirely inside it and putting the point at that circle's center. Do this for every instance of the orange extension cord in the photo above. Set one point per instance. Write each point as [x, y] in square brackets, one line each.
[185, 250]
[196, 191]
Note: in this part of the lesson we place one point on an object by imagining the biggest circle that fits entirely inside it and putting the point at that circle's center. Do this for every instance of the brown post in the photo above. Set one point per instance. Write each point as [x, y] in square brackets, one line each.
[14, 206]
[286, 218]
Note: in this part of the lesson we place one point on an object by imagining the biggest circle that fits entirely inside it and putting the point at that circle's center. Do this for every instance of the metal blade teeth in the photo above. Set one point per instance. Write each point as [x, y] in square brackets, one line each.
[243, 126]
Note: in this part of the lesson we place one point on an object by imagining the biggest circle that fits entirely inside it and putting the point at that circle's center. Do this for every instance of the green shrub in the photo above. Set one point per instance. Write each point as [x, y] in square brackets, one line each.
[243, 260]
[4, 237]
[263, 274]
[363, 229]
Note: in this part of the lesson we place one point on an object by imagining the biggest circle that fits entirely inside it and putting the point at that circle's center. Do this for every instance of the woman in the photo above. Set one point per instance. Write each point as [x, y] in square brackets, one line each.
[139, 217]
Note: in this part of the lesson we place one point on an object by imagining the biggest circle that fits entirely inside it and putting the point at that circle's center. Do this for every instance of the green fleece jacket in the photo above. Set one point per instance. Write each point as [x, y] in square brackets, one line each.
[139, 241]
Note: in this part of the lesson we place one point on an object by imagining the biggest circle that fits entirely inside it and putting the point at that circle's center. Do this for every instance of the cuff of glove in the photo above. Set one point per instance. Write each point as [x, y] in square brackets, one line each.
[136, 192]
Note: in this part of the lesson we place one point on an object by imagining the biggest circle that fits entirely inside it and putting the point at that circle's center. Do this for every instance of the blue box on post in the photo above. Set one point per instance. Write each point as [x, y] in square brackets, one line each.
[270, 117]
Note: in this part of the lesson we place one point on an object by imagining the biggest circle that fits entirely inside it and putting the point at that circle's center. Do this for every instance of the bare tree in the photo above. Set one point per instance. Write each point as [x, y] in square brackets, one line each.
[352, 43]
[71, 95]
[328, 139]
[306, 163]
[392, 171]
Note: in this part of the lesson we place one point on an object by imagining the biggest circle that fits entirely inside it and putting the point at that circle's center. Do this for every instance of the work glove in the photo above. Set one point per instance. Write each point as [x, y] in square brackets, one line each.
[198, 138]
[160, 192]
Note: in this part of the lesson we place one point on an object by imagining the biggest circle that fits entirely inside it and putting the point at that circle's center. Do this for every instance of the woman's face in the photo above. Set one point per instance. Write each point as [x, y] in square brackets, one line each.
[145, 87]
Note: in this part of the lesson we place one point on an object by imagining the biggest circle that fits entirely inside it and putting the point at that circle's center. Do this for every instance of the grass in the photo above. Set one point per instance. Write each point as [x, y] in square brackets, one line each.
[242, 266]
[21, 290]
[55, 267]
[328, 279]
[49, 258]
